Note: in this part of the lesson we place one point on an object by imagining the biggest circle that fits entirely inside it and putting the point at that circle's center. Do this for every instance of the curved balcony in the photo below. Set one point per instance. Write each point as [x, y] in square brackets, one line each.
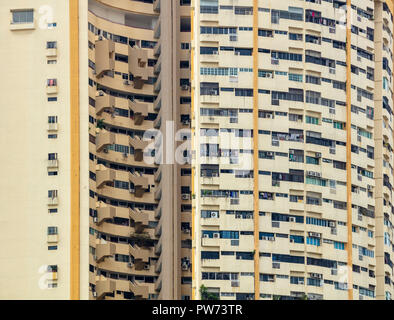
[140, 183]
[104, 176]
[105, 56]
[141, 255]
[139, 145]
[103, 139]
[140, 111]
[140, 218]
[139, 290]
[104, 102]
[138, 62]
[105, 286]
[105, 250]
[110, 212]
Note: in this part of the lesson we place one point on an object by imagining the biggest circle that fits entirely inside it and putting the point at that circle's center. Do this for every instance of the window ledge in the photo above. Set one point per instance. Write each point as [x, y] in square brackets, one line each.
[22, 26]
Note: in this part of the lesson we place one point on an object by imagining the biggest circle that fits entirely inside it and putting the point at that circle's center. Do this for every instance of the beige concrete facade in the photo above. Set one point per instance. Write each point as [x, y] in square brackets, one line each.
[298, 203]
[115, 230]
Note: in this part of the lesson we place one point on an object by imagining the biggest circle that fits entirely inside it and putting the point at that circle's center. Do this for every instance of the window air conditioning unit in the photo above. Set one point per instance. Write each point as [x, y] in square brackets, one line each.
[94, 72]
[216, 235]
[185, 196]
[334, 272]
[130, 264]
[214, 215]
[215, 52]
[94, 257]
[125, 155]
[318, 155]
[331, 224]
[146, 267]
[248, 216]
[95, 219]
[292, 219]
[237, 53]
[238, 216]
[314, 234]
[185, 87]
[185, 266]
[271, 238]
[105, 150]
[205, 236]
[301, 282]
[126, 82]
[100, 93]
[291, 240]
[94, 293]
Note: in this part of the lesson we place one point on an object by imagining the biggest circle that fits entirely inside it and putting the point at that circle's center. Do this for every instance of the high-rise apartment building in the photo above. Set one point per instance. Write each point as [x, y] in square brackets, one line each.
[285, 193]
[292, 121]
[88, 213]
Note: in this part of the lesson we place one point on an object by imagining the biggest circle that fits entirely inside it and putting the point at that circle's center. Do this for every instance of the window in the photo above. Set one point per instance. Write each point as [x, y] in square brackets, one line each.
[52, 82]
[22, 16]
[52, 231]
[51, 44]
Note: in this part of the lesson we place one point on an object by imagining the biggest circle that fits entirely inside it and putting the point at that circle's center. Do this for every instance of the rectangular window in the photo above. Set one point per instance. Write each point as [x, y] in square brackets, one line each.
[51, 44]
[22, 16]
[52, 231]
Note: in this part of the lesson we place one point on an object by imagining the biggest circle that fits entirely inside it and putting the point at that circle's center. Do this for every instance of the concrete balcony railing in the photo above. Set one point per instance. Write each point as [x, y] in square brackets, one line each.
[157, 85]
[52, 127]
[158, 228]
[105, 56]
[103, 139]
[159, 283]
[139, 290]
[140, 111]
[158, 192]
[158, 247]
[53, 238]
[142, 254]
[53, 201]
[157, 175]
[53, 164]
[105, 213]
[158, 264]
[140, 218]
[105, 286]
[105, 250]
[157, 122]
[138, 145]
[156, 5]
[52, 89]
[157, 67]
[51, 52]
[104, 102]
[104, 176]
[157, 29]
[158, 210]
[157, 103]
[138, 63]
[157, 48]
